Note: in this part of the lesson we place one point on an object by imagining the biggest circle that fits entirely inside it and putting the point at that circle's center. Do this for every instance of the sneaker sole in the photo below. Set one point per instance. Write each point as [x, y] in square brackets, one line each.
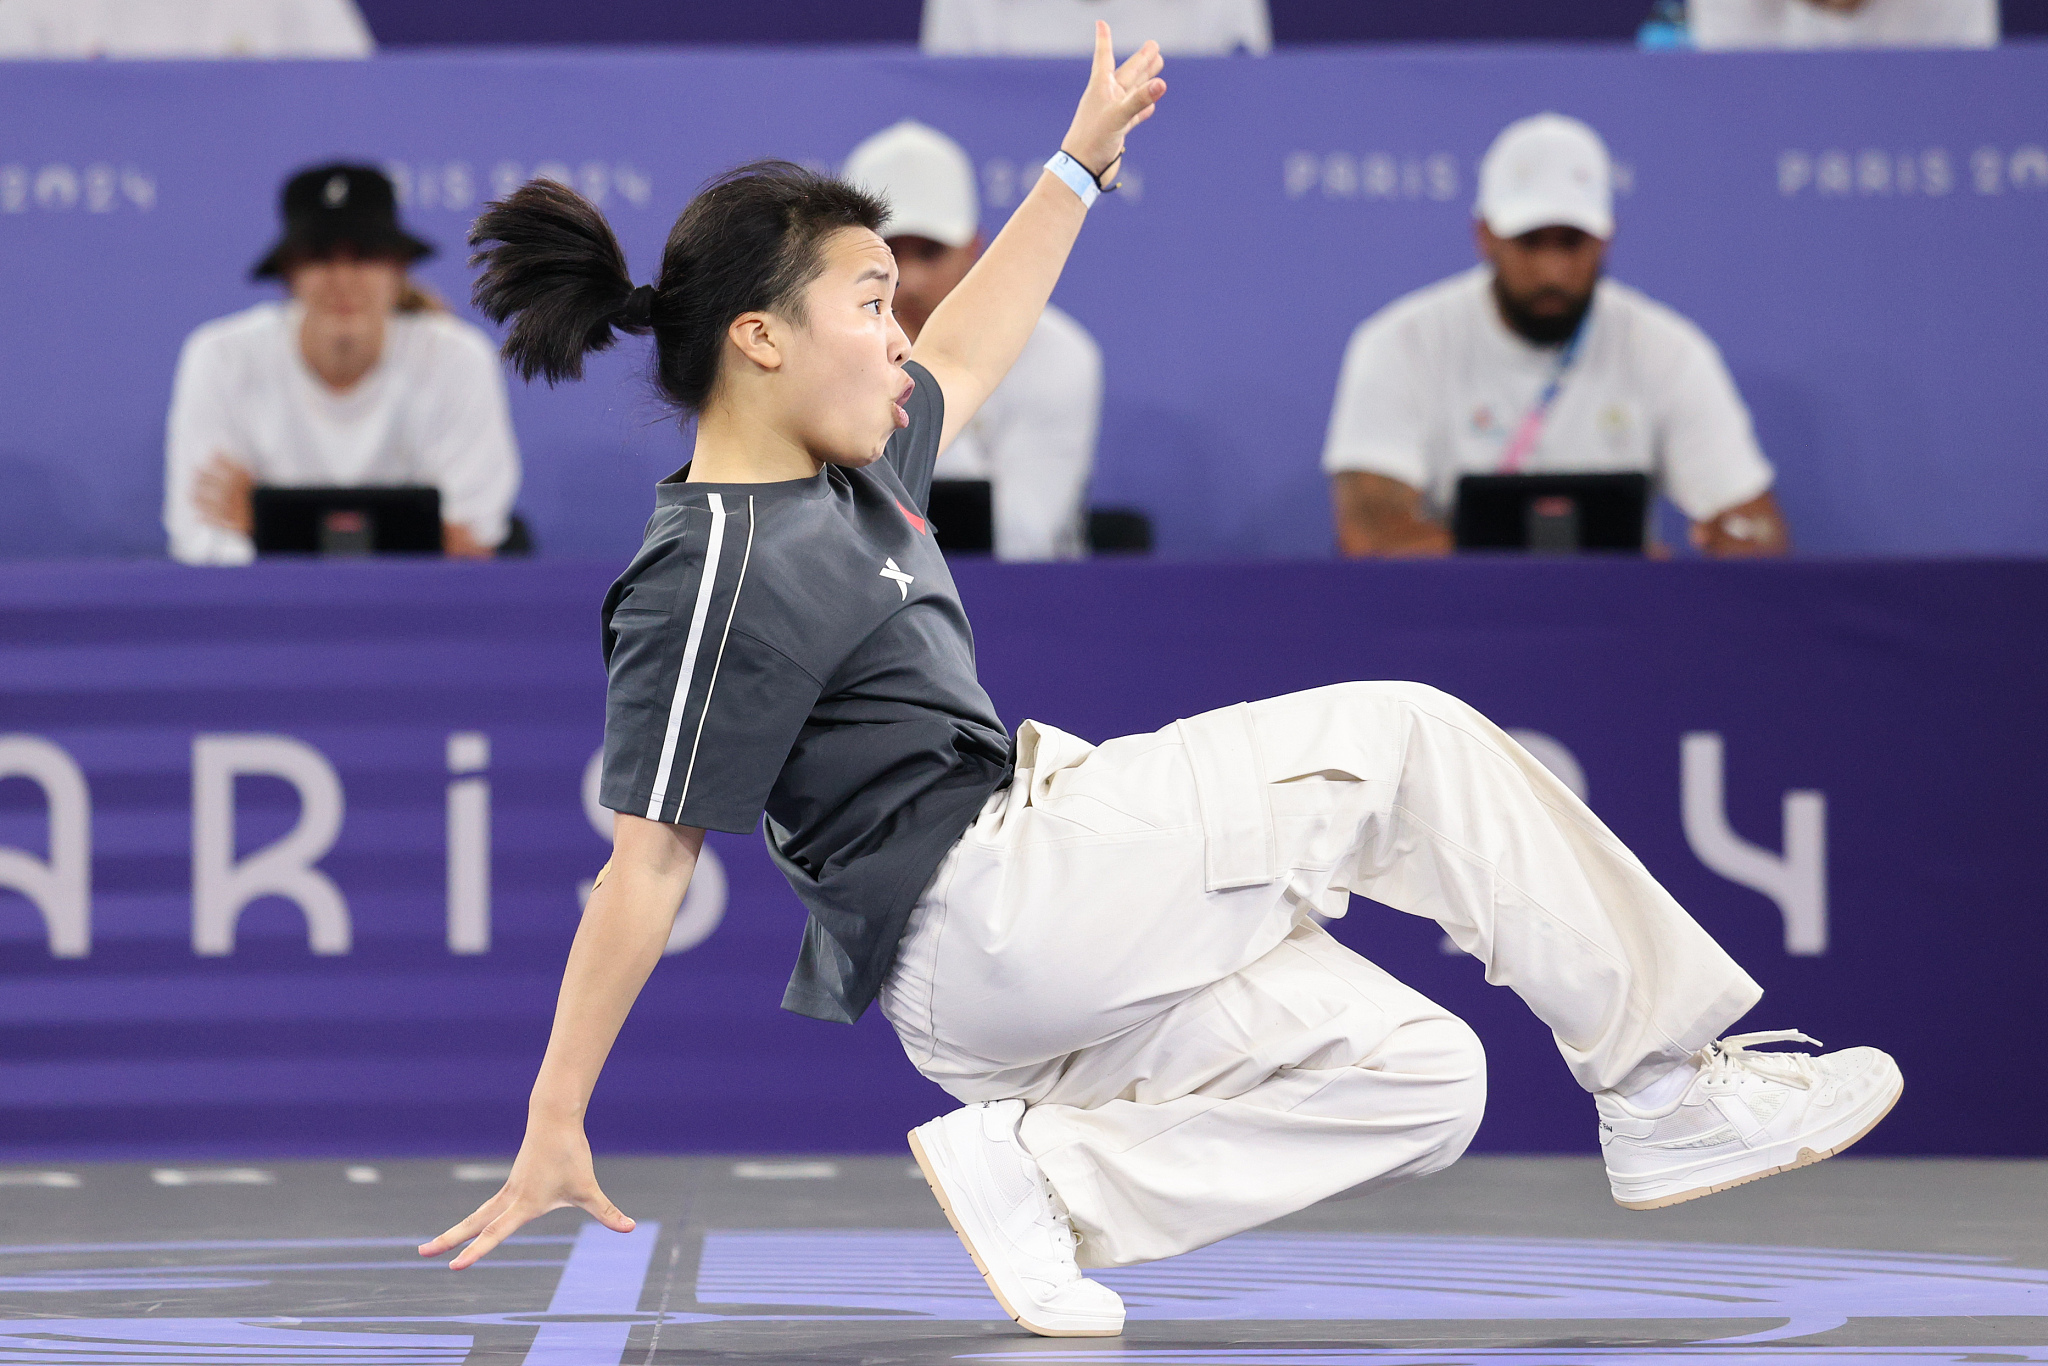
[931, 1178]
[1806, 1158]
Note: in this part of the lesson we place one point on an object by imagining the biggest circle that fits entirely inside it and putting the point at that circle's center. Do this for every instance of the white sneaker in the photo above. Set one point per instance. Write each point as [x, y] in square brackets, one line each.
[1744, 1116]
[1012, 1222]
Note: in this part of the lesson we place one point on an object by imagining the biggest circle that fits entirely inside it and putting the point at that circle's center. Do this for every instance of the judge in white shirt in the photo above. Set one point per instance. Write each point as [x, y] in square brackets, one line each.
[1532, 362]
[358, 378]
[1718, 25]
[1066, 28]
[1034, 439]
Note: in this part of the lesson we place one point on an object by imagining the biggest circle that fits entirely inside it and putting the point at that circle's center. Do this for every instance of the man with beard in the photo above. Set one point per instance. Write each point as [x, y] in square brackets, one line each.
[1534, 363]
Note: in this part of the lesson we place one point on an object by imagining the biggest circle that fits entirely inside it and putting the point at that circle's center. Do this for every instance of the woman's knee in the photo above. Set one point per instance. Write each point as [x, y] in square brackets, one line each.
[1444, 1049]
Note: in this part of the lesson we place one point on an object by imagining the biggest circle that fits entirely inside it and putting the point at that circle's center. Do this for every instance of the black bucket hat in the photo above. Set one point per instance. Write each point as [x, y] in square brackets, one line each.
[325, 207]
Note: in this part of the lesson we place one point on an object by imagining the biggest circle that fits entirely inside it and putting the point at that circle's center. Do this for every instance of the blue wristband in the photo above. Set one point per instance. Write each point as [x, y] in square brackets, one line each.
[1076, 176]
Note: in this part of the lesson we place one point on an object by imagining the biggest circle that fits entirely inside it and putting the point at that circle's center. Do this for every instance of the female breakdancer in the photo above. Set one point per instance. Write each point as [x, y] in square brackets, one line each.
[1110, 955]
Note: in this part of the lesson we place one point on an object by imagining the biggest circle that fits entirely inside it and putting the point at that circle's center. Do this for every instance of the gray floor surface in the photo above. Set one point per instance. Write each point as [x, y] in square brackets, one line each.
[1504, 1261]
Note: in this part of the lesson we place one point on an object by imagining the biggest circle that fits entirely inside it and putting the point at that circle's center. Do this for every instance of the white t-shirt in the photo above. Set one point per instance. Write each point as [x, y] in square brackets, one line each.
[1717, 24]
[1034, 441]
[1064, 28]
[1434, 385]
[183, 28]
[432, 411]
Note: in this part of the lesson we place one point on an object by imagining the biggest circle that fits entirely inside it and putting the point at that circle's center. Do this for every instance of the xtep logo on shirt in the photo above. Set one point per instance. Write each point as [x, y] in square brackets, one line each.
[902, 580]
[915, 520]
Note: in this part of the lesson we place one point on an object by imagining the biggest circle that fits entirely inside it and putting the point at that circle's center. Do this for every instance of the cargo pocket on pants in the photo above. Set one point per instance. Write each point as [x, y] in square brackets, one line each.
[1240, 847]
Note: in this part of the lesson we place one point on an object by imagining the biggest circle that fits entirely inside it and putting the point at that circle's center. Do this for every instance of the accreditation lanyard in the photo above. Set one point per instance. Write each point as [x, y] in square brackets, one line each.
[1523, 443]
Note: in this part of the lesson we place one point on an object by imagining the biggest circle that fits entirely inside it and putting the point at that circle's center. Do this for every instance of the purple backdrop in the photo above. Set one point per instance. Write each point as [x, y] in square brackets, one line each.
[1861, 232]
[1906, 695]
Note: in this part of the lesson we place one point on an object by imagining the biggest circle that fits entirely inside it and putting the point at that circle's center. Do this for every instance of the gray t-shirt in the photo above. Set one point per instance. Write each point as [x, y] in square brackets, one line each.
[798, 648]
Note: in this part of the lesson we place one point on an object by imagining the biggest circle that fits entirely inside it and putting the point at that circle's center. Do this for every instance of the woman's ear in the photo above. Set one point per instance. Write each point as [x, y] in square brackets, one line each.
[758, 337]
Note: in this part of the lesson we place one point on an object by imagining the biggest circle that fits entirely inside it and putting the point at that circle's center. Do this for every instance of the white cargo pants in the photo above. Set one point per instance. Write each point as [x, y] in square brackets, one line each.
[1123, 941]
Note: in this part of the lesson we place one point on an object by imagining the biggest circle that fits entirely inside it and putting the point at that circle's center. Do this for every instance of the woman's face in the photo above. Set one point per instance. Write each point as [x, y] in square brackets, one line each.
[346, 287]
[844, 366]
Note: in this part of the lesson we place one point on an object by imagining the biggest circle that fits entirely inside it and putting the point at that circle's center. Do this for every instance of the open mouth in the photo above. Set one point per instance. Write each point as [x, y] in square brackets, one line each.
[903, 413]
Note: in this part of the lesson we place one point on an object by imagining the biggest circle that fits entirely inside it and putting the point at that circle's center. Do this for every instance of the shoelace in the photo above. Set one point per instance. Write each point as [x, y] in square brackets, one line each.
[1062, 1222]
[1725, 1057]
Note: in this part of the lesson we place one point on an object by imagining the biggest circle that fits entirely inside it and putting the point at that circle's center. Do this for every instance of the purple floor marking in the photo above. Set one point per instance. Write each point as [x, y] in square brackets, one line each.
[925, 1276]
[603, 1275]
[1353, 1277]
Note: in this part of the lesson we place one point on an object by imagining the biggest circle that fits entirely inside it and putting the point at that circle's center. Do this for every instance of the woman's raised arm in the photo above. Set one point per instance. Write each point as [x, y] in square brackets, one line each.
[975, 336]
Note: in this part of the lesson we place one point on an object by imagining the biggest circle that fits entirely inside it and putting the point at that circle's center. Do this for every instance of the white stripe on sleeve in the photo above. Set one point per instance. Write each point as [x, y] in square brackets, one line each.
[679, 703]
[732, 611]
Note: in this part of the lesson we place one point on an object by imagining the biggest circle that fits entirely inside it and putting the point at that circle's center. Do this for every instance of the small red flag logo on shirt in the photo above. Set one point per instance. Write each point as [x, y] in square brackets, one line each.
[915, 520]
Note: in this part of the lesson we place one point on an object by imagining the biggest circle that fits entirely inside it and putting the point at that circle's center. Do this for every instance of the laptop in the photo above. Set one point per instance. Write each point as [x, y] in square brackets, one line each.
[369, 519]
[1555, 514]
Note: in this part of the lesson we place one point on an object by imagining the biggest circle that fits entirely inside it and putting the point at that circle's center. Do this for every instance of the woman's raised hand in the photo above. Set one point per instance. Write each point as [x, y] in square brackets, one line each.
[553, 1171]
[1118, 99]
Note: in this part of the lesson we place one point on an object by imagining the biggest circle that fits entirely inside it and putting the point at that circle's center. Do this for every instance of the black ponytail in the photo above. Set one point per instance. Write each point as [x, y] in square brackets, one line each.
[557, 271]
[749, 242]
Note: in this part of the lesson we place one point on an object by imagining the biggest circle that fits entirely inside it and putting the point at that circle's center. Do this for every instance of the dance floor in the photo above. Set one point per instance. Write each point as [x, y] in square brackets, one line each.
[1498, 1262]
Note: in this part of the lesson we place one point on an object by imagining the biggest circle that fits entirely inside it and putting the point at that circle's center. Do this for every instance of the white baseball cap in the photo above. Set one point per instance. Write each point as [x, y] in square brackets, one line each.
[927, 179]
[1546, 171]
